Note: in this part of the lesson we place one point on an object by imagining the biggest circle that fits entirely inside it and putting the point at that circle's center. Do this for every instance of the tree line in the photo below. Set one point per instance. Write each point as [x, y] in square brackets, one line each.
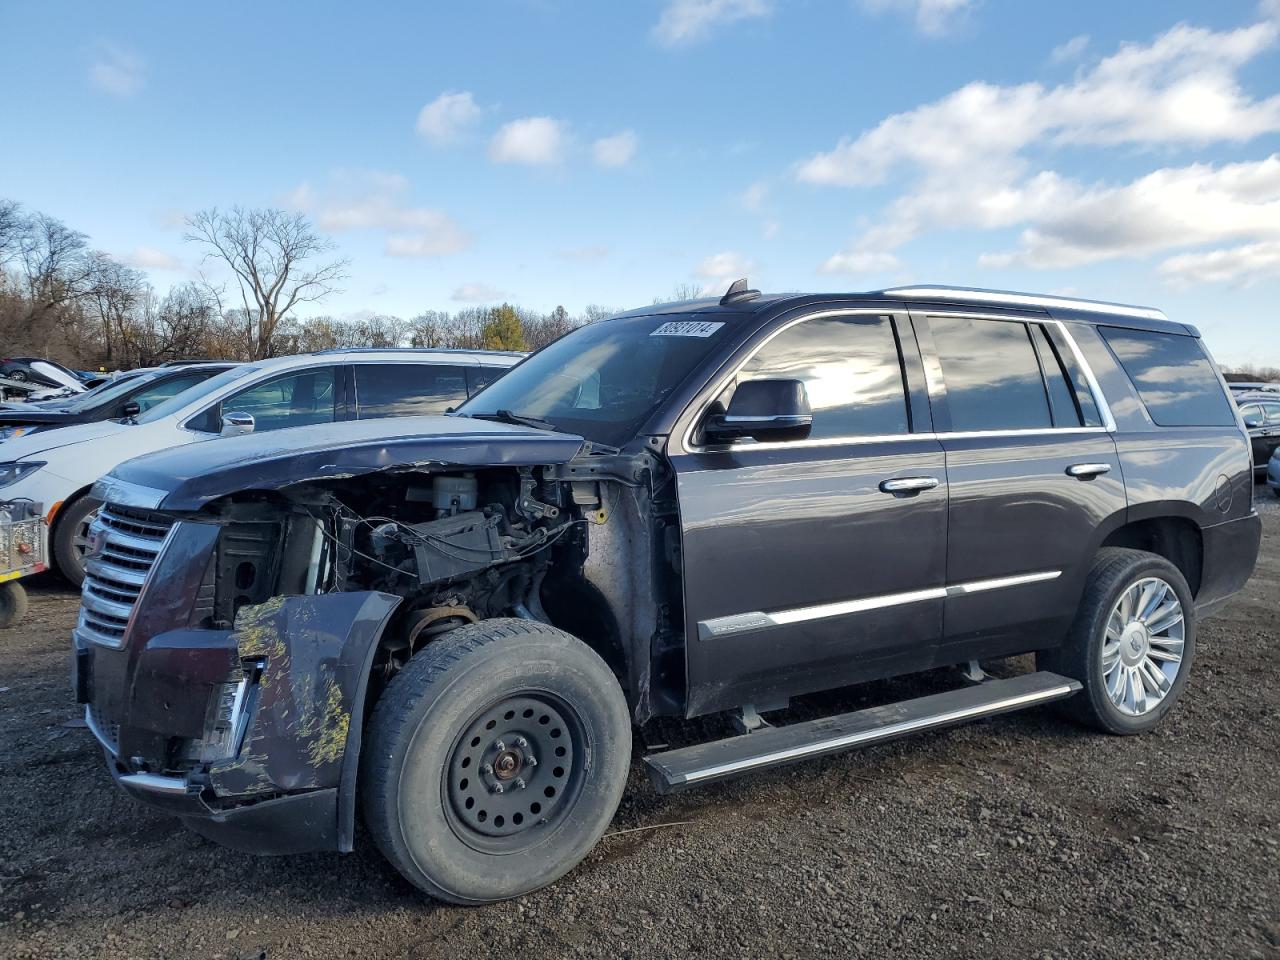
[60, 298]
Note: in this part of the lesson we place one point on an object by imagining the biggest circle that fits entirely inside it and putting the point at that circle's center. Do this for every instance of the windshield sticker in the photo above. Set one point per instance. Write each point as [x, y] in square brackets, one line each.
[687, 328]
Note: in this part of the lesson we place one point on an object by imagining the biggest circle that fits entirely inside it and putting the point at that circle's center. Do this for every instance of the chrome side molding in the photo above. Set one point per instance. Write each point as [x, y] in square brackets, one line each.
[720, 627]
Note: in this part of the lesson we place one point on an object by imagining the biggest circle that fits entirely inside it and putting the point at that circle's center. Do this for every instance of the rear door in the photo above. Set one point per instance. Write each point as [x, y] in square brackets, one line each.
[1032, 472]
[802, 572]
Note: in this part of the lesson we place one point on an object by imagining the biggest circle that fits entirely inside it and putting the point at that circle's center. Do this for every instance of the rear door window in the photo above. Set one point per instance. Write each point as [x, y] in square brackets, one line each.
[992, 374]
[1272, 410]
[407, 389]
[148, 398]
[850, 368]
[1173, 376]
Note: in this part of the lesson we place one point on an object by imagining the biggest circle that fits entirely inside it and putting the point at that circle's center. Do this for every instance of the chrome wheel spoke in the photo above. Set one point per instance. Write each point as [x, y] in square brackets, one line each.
[1160, 684]
[1166, 617]
[1152, 595]
[1170, 651]
[1139, 690]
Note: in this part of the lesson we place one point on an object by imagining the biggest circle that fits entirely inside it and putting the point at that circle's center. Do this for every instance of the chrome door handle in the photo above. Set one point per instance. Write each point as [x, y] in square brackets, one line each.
[907, 486]
[1087, 471]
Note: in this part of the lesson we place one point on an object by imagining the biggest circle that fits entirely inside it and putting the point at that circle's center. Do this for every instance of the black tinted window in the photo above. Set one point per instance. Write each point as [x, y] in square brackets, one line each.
[407, 389]
[1174, 377]
[992, 374]
[850, 369]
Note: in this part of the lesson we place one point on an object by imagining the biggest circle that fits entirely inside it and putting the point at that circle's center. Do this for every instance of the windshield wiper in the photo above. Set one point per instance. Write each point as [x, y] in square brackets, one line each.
[510, 416]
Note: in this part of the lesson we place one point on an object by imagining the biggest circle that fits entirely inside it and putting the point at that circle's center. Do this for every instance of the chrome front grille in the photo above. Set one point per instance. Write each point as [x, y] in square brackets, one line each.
[126, 543]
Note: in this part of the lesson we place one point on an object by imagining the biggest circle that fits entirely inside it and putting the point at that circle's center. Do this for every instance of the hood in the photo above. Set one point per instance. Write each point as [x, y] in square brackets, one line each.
[15, 418]
[196, 474]
[42, 441]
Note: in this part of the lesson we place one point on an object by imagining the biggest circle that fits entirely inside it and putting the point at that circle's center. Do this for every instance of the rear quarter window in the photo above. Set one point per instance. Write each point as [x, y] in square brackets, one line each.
[1173, 376]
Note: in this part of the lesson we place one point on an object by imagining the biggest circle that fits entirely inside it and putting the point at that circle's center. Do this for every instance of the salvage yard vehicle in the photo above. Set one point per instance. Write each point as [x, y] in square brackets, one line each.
[60, 466]
[455, 622]
[23, 548]
[1261, 415]
[127, 397]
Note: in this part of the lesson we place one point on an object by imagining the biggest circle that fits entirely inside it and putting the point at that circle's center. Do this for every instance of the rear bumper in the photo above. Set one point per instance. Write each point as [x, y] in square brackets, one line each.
[1230, 554]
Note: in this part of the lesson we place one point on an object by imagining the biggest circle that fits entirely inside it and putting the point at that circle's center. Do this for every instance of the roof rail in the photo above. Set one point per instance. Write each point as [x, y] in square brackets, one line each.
[1008, 298]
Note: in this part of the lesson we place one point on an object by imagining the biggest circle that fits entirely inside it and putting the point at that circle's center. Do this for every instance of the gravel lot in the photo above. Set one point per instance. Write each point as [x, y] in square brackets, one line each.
[1020, 837]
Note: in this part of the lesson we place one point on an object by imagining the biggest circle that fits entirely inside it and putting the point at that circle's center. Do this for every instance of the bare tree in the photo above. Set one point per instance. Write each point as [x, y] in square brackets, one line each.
[273, 255]
[114, 292]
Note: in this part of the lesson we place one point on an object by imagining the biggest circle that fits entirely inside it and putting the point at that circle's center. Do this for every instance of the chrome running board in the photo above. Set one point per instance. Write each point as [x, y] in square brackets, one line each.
[774, 746]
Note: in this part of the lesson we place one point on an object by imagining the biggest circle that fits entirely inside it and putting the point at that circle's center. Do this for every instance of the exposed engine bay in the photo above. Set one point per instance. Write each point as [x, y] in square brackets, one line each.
[565, 544]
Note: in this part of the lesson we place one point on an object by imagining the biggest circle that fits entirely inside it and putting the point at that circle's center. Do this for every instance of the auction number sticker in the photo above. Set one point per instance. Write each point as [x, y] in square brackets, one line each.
[687, 328]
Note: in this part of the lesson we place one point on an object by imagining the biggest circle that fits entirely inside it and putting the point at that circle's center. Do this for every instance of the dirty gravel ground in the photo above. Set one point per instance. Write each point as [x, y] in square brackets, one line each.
[1023, 836]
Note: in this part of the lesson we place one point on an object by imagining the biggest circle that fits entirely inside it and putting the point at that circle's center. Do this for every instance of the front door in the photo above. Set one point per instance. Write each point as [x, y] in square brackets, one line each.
[802, 570]
[1033, 473]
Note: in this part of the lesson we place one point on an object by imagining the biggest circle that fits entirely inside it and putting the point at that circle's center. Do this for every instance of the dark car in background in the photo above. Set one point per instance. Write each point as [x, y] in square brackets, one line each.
[126, 397]
[1261, 414]
[21, 369]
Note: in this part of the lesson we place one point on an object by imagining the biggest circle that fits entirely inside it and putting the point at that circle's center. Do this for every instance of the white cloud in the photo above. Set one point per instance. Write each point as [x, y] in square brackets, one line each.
[687, 21]
[533, 140]
[863, 261]
[932, 17]
[478, 293]
[719, 270]
[375, 200]
[1180, 89]
[770, 229]
[1167, 209]
[447, 116]
[116, 71]
[754, 196]
[1246, 263]
[149, 258]
[615, 151]
[1071, 50]
[965, 161]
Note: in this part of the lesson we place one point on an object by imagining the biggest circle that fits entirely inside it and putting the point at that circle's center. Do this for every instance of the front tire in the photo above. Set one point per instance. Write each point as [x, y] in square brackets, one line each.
[70, 537]
[495, 760]
[1131, 644]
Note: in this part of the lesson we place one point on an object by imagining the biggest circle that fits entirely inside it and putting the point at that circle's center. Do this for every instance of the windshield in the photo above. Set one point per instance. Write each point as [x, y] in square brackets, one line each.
[180, 401]
[107, 392]
[602, 381]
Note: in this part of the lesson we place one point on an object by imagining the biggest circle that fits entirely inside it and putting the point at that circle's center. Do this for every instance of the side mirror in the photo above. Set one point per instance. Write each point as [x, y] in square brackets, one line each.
[1252, 423]
[763, 410]
[236, 424]
[130, 409]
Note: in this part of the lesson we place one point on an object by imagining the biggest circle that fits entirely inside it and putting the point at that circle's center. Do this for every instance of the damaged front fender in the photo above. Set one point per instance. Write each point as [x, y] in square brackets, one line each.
[310, 659]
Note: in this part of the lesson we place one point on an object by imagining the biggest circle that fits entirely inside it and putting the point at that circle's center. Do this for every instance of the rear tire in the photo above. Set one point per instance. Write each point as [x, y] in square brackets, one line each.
[13, 604]
[495, 760]
[1131, 645]
[69, 531]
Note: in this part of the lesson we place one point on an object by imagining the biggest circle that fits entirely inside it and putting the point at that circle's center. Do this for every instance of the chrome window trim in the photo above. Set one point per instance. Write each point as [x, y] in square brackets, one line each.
[727, 626]
[1099, 398]
[945, 294]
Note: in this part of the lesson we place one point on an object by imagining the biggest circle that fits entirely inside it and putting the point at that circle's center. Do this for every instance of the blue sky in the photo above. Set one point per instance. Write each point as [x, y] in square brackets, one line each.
[552, 152]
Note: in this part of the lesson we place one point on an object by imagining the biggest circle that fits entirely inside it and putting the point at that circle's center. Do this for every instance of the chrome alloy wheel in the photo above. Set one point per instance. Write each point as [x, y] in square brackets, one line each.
[80, 538]
[1142, 649]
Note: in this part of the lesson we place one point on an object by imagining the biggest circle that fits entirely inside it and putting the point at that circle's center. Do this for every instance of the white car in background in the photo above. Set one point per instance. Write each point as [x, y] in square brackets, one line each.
[57, 467]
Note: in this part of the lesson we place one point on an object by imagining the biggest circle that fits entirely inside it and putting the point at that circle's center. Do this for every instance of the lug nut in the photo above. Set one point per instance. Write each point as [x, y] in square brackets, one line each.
[520, 784]
[522, 743]
[497, 788]
[531, 761]
[499, 745]
[487, 769]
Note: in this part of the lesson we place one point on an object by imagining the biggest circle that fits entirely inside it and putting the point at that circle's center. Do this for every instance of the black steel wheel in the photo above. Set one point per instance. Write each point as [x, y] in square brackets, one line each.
[495, 760]
[516, 771]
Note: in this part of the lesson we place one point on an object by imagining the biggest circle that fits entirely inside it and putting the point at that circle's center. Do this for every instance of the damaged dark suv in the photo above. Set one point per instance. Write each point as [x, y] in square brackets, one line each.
[455, 622]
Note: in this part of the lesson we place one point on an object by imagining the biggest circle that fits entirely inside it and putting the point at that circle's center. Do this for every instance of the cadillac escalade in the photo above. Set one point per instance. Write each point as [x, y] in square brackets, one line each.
[454, 623]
